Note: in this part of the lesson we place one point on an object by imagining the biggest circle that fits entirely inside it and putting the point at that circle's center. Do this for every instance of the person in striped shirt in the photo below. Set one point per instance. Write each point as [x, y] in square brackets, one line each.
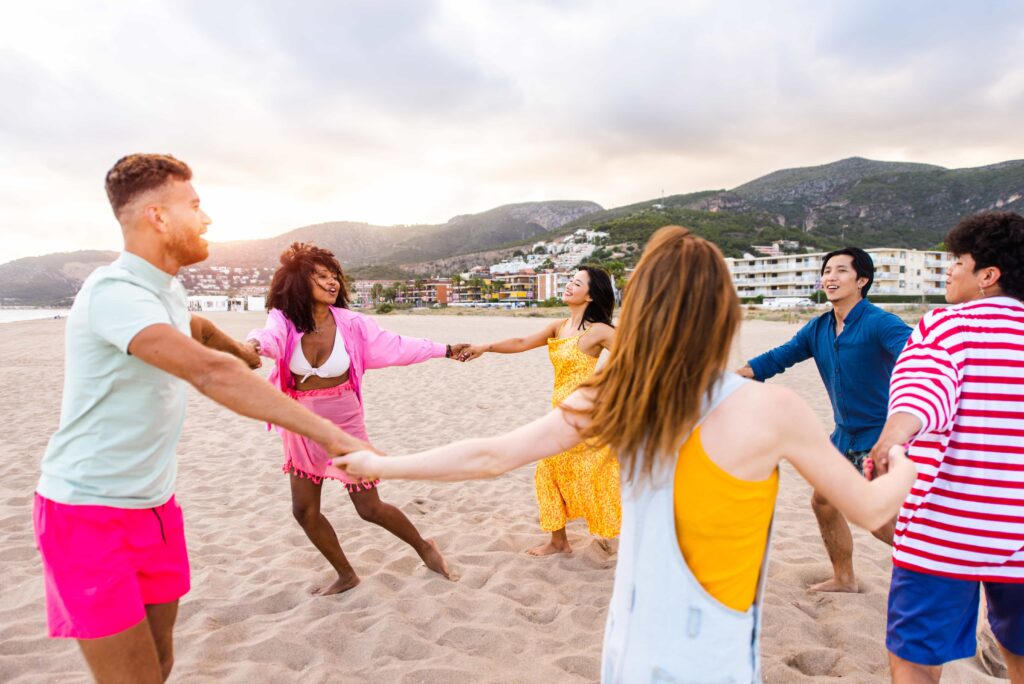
[957, 396]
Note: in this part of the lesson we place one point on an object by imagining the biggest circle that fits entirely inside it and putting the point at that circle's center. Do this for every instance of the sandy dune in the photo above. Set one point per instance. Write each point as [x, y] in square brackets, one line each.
[511, 618]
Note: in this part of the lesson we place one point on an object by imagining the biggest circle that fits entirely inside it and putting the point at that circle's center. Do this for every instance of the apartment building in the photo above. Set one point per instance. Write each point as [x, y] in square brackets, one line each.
[905, 272]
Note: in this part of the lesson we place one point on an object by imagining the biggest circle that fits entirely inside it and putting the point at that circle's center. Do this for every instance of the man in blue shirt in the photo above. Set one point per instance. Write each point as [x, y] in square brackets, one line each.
[855, 347]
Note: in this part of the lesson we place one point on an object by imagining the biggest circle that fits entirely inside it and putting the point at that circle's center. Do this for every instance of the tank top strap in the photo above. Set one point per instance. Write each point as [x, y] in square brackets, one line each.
[726, 384]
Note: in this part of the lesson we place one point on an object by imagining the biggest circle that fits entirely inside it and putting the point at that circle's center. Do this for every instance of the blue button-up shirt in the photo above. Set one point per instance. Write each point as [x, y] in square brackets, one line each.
[855, 367]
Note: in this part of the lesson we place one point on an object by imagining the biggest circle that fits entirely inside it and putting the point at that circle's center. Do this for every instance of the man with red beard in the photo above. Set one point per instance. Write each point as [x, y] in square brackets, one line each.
[107, 525]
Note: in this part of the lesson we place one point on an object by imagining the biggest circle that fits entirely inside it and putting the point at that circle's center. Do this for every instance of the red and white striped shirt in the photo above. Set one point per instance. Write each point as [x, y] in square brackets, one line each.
[962, 375]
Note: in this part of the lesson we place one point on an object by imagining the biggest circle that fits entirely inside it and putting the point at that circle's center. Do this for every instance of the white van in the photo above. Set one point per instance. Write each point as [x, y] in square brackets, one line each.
[786, 302]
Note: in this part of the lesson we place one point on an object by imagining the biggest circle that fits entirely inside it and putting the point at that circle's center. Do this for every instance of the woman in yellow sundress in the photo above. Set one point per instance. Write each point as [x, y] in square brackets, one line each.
[582, 482]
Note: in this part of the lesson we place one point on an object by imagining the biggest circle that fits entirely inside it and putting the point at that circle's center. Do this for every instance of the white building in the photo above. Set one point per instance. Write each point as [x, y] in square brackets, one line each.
[550, 285]
[905, 272]
[207, 303]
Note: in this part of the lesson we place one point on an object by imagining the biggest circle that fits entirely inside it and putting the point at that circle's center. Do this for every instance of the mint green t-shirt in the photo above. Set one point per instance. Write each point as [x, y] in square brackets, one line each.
[120, 417]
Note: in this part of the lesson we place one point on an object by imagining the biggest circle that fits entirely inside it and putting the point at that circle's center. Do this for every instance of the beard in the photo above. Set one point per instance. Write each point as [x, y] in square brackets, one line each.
[187, 247]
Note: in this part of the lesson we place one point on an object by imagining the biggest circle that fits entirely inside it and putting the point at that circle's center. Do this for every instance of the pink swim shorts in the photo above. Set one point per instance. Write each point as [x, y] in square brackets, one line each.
[102, 566]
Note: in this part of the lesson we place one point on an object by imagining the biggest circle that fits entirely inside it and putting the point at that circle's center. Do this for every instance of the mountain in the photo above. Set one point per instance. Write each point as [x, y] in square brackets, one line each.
[360, 245]
[48, 280]
[852, 201]
[363, 249]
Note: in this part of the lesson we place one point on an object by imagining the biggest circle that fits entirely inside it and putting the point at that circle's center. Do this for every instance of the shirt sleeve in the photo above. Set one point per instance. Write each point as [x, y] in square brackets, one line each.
[782, 357]
[119, 310]
[272, 336]
[926, 381]
[893, 334]
[385, 348]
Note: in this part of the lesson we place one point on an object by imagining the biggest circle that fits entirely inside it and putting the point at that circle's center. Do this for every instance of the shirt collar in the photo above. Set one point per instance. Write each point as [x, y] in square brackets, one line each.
[855, 313]
[141, 268]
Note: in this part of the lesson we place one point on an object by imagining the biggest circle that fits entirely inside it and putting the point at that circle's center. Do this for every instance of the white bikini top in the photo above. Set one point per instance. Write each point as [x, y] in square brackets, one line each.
[334, 367]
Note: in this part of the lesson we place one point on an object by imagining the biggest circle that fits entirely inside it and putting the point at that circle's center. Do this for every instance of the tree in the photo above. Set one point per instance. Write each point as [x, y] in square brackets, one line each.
[456, 283]
[540, 249]
[376, 292]
[518, 254]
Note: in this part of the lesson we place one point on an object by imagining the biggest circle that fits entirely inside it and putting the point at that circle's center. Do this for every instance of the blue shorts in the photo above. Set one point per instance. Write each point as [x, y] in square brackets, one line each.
[933, 619]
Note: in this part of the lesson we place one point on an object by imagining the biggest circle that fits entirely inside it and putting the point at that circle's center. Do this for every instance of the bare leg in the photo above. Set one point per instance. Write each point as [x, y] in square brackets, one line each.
[835, 532]
[371, 509]
[306, 509]
[906, 672]
[128, 657]
[1014, 664]
[885, 533]
[161, 617]
[559, 544]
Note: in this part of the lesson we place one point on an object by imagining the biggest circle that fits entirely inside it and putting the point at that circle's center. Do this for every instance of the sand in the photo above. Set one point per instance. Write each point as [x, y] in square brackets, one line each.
[511, 618]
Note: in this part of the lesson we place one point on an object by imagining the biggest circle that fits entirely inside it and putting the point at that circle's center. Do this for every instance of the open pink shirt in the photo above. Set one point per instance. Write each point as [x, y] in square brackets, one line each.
[368, 346]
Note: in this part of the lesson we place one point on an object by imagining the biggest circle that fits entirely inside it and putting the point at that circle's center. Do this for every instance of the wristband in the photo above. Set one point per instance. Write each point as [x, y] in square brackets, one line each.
[447, 351]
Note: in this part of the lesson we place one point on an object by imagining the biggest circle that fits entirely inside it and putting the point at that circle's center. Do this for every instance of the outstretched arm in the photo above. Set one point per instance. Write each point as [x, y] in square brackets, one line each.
[782, 357]
[207, 334]
[513, 345]
[227, 381]
[869, 504]
[478, 458]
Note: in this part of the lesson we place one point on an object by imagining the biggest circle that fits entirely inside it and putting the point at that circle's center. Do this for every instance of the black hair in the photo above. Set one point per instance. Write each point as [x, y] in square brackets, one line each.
[993, 238]
[290, 291]
[862, 265]
[602, 295]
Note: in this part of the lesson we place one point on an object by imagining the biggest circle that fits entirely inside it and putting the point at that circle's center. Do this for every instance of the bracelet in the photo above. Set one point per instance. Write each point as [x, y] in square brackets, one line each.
[447, 351]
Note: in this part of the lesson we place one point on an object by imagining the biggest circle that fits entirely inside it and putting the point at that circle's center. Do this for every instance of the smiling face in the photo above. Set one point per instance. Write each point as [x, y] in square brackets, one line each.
[577, 290]
[965, 282]
[839, 279]
[185, 222]
[325, 285]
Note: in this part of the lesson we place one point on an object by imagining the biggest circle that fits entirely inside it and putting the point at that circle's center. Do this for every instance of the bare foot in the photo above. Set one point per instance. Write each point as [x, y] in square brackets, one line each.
[342, 584]
[433, 559]
[835, 585]
[551, 548]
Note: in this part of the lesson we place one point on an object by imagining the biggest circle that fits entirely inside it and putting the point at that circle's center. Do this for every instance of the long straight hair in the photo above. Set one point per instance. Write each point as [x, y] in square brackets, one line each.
[602, 296]
[679, 317]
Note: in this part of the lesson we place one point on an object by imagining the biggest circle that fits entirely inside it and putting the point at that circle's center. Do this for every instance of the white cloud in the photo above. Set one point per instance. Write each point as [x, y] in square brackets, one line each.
[408, 111]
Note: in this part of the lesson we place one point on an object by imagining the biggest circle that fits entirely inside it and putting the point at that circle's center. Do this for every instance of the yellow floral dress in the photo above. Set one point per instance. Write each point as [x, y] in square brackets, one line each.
[582, 482]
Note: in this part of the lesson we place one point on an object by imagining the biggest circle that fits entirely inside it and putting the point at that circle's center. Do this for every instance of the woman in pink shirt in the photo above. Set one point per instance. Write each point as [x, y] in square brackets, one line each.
[321, 350]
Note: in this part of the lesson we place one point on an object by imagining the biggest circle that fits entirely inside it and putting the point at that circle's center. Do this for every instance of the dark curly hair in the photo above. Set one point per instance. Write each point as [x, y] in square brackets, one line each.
[290, 291]
[993, 238]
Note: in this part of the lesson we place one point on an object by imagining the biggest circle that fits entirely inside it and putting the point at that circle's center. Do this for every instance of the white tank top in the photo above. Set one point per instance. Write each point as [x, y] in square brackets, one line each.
[334, 367]
[663, 627]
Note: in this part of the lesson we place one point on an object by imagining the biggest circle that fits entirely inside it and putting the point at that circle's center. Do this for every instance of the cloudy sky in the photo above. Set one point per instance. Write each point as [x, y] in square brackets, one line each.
[413, 111]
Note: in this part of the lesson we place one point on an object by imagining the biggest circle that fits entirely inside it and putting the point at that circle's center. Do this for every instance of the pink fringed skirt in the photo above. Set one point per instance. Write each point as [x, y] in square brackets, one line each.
[305, 458]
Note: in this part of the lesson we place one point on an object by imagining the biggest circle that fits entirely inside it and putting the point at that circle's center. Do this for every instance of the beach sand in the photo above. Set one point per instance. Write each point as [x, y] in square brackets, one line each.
[511, 618]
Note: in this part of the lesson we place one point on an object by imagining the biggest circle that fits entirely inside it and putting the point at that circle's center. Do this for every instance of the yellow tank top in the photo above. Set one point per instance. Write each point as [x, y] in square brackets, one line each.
[722, 524]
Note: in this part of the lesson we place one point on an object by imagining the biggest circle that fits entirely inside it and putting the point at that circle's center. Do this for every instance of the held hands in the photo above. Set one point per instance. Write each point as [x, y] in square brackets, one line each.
[457, 350]
[364, 465]
[249, 352]
[472, 351]
[746, 372]
[899, 430]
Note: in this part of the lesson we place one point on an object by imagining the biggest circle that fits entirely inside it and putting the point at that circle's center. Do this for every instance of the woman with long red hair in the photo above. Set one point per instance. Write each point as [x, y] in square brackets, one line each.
[699, 449]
